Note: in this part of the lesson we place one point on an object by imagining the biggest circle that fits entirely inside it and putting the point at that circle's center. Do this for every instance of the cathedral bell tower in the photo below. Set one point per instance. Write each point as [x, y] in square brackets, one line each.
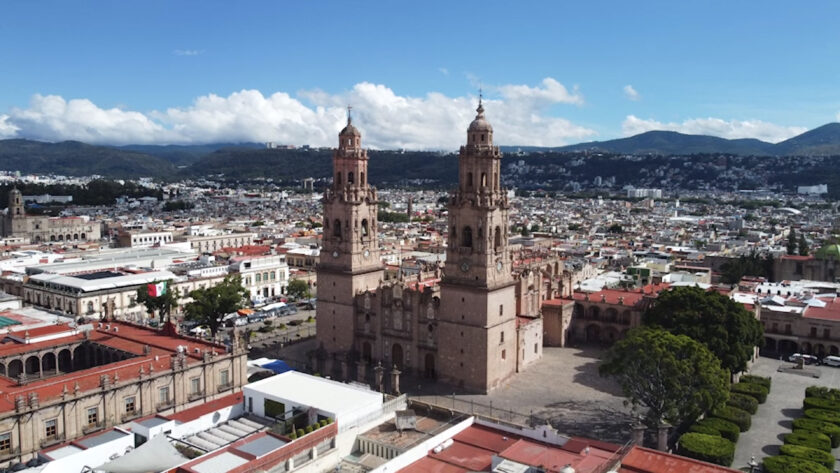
[478, 300]
[15, 221]
[349, 261]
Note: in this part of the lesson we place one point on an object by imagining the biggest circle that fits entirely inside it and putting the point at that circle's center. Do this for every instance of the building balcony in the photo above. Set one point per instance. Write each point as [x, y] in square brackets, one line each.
[51, 440]
[195, 395]
[224, 387]
[93, 427]
[162, 406]
[129, 416]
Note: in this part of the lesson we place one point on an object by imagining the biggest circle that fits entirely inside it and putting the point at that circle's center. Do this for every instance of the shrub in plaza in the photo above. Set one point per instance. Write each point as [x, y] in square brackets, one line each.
[824, 415]
[823, 392]
[724, 428]
[751, 378]
[736, 416]
[832, 430]
[818, 456]
[787, 464]
[757, 391]
[743, 401]
[810, 439]
[709, 448]
[704, 429]
[820, 403]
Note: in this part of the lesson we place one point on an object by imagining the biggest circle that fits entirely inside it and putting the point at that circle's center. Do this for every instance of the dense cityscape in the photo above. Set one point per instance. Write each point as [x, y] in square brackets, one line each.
[376, 238]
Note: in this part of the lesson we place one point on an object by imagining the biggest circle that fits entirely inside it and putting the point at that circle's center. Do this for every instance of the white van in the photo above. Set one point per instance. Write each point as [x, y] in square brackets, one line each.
[831, 360]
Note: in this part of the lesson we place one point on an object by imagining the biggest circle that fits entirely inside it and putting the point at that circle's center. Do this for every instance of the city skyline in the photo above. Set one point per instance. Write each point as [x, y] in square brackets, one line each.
[551, 75]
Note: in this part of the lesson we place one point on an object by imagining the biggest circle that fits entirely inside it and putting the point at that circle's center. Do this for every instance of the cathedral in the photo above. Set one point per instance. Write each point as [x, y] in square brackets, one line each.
[472, 325]
[41, 229]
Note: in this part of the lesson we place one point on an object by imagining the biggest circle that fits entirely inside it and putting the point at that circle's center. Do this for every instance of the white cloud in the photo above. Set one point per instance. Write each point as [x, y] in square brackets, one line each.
[187, 52]
[7, 129]
[387, 120]
[443, 71]
[731, 129]
[631, 93]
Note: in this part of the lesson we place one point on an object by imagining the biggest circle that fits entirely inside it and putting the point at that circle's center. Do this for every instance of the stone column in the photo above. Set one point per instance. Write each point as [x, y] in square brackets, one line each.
[662, 437]
[379, 377]
[395, 381]
[638, 436]
[361, 371]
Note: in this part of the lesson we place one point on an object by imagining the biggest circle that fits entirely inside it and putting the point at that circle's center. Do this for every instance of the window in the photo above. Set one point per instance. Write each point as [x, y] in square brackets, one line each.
[466, 239]
[5, 442]
[93, 415]
[504, 354]
[50, 428]
[259, 278]
[536, 347]
[502, 337]
[195, 385]
[130, 405]
[501, 309]
[163, 395]
[338, 178]
[813, 332]
[361, 178]
[787, 328]
[364, 228]
[775, 327]
[350, 179]
[223, 378]
[265, 276]
[337, 228]
[271, 274]
[826, 333]
[469, 179]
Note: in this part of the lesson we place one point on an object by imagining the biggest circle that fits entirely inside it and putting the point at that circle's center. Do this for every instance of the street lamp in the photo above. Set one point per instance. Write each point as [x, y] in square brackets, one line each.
[753, 464]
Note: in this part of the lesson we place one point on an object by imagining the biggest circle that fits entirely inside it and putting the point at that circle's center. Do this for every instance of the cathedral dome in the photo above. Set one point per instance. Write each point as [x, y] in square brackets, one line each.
[350, 130]
[480, 123]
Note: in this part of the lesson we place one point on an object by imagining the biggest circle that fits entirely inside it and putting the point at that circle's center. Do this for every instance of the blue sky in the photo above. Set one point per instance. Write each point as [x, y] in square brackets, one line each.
[137, 71]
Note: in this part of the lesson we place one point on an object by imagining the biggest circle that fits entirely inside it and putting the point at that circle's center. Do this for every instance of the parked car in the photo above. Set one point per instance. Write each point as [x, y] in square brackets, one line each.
[808, 359]
[831, 360]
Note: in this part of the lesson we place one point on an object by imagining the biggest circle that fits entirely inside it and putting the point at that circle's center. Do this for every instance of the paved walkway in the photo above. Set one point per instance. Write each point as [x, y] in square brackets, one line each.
[784, 404]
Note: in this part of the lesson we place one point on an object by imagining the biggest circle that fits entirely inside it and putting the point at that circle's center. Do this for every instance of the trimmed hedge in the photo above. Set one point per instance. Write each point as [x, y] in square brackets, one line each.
[823, 392]
[786, 464]
[737, 416]
[707, 448]
[743, 402]
[810, 439]
[820, 403]
[824, 415]
[832, 430]
[722, 428]
[757, 391]
[704, 429]
[751, 378]
[818, 456]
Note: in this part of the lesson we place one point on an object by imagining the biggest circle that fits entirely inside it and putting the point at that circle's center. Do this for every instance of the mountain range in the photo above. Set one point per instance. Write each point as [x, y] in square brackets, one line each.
[250, 160]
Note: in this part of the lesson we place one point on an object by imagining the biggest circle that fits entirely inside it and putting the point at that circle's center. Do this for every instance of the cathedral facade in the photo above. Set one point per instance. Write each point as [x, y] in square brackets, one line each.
[462, 324]
[39, 229]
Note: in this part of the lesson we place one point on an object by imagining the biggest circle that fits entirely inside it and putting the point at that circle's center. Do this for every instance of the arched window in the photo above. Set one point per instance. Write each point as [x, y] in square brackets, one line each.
[497, 239]
[466, 239]
[469, 179]
[483, 179]
[338, 178]
[337, 228]
[350, 179]
[364, 228]
[361, 178]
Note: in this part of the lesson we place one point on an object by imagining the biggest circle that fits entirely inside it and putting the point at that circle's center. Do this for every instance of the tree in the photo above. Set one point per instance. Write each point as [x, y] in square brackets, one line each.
[676, 378]
[298, 289]
[791, 242]
[210, 305]
[724, 326]
[162, 304]
[615, 228]
[804, 249]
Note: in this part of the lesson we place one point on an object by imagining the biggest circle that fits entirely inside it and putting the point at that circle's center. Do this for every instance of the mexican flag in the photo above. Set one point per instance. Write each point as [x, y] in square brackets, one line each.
[157, 290]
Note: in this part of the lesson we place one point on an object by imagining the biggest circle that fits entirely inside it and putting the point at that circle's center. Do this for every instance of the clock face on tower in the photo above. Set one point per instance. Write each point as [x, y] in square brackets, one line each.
[335, 254]
[366, 253]
[465, 266]
[499, 266]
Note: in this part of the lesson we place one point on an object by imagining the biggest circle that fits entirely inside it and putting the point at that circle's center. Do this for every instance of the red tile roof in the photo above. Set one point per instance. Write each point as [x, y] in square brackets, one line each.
[831, 311]
[206, 408]
[645, 460]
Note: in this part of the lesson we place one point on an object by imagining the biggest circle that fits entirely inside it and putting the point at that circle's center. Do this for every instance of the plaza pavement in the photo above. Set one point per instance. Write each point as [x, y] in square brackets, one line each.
[784, 404]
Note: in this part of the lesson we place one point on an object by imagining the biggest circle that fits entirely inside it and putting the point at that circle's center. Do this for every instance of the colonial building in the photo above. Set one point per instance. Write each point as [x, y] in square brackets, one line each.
[39, 229]
[464, 326]
[61, 382]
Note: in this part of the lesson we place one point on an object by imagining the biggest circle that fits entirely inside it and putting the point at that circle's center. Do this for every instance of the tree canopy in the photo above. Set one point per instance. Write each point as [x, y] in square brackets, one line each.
[210, 305]
[298, 289]
[674, 377]
[162, 304]
[724, 326]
